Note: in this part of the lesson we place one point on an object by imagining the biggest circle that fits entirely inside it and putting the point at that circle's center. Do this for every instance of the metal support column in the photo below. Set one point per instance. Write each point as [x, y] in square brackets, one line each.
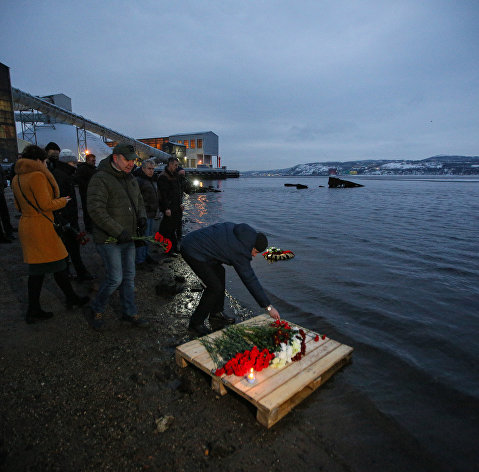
[81, 141]
[29, 128]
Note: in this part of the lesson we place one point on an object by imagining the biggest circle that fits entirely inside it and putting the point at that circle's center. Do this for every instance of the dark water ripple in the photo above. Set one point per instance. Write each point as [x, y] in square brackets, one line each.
[393, 270]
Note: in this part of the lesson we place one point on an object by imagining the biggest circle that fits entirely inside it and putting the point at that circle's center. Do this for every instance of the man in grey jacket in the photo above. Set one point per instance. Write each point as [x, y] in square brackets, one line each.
[206, 250]
[117, 211]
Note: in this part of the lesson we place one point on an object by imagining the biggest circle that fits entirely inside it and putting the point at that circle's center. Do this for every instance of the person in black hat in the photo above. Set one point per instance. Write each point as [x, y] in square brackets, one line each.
[53, 153]
[64, 170]
[206, 250]
[83, 174]
[6, 228]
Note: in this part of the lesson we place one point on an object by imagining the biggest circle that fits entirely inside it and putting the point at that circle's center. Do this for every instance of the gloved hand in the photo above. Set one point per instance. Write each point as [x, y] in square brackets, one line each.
[125, 237]
[141, 226]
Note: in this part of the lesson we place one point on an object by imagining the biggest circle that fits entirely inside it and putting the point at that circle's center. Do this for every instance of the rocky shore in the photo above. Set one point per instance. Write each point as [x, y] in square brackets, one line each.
[73, 399]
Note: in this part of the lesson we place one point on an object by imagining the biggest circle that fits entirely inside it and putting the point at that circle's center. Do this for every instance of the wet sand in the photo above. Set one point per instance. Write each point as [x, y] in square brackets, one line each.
[73, 399]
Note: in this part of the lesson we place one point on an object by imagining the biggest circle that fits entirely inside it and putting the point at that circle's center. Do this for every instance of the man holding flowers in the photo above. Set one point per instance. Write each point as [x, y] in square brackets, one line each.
[117, 211]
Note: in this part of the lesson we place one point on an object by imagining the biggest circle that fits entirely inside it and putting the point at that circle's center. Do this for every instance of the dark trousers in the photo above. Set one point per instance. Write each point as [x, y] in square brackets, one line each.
[5, 216]
[86, 217]
[35, 283]
[212, 274]
[170, 227]
[72, 245]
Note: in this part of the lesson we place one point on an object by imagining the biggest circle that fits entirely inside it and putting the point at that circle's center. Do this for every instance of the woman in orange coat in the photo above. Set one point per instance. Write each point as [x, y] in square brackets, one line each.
[36, 197]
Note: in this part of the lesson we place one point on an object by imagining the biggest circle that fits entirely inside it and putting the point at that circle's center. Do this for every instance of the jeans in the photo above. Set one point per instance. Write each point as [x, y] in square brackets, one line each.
[142, 252]
[119, 262]
[212, 274]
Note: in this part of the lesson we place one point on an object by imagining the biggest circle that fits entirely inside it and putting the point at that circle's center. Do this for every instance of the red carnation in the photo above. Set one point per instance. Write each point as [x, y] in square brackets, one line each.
[316, 338]
[323, 336]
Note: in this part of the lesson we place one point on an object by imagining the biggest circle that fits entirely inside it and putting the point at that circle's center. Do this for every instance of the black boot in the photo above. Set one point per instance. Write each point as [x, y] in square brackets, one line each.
[199, 329]
[220, 317]
[37, 314]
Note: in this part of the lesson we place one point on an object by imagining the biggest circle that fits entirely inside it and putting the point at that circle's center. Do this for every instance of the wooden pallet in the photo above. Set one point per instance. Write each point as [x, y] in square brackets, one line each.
[276, 391]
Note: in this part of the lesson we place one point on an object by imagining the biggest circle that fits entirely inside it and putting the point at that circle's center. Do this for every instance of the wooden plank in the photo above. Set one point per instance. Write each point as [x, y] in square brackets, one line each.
[277, 377]
[269, 418]
[289, 388]
[180, 361]
[266, 374]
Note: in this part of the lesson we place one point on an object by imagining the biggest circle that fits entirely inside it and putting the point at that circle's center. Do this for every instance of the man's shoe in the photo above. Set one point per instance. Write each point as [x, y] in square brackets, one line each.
[220, 317]
[37, 315]
[150, 260]
[77, 301]
[199, 329]
[136, 320]
[95, 320]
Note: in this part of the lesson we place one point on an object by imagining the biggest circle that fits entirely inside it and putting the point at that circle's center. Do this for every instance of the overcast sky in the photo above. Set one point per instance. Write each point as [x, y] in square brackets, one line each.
[280, 82]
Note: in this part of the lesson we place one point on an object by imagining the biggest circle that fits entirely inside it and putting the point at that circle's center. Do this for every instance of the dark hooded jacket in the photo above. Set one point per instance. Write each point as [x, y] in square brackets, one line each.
[149, 191]
[230, 244]
[63, 174]
[114, 202]
[83, 175]
[170, 189]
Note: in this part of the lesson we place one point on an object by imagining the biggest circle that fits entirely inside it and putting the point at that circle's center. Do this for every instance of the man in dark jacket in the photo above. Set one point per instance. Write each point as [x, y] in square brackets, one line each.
[170, 189]
[6, 228]
[117, 211]
[206, 250]
[83, 174]
[149, 192]
[63, 172]
[53, 152]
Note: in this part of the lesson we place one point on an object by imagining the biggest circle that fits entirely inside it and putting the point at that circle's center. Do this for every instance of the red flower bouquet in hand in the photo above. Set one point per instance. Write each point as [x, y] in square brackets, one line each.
[158, 239]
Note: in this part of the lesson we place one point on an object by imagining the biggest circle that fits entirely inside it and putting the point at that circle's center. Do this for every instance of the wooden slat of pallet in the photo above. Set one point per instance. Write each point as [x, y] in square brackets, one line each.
[270, 372]
[274, 378]
[268, 417]
[303, 377]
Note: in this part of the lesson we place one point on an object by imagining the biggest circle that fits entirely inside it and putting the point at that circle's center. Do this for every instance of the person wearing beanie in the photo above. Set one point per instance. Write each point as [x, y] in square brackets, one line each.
[64, 175]
[53, 150]
[205, 251]
[67, 156]
[83, 174]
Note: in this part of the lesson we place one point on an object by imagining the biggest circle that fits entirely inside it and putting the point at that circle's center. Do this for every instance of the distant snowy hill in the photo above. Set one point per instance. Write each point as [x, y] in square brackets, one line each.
[447, 165]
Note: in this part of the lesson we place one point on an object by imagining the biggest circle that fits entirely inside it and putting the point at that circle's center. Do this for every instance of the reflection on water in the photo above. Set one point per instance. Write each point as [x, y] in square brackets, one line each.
[203, 209]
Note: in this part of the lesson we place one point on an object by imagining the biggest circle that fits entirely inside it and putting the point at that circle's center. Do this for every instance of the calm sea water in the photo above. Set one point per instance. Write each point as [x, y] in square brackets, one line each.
[391, 269]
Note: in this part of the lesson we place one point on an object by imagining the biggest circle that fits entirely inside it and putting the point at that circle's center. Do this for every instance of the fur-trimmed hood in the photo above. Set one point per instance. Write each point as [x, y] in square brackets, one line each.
[27, 166]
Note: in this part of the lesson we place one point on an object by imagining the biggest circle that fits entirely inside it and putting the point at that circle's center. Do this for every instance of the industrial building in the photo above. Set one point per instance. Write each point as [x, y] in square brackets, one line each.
[50, 118]
[191, 149]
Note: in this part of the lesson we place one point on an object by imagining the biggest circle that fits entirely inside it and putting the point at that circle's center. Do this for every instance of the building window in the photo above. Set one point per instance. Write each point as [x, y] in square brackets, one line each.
[199, 143]
[186, 143]
[192, 143]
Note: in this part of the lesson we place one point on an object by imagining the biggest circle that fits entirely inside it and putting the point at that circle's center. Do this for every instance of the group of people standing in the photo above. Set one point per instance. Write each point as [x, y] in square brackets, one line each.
[118, 206]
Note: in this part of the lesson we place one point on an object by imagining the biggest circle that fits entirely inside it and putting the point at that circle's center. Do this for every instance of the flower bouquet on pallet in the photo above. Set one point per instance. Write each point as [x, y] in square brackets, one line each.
[273, 254]
[241, 348]
[157, 239]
